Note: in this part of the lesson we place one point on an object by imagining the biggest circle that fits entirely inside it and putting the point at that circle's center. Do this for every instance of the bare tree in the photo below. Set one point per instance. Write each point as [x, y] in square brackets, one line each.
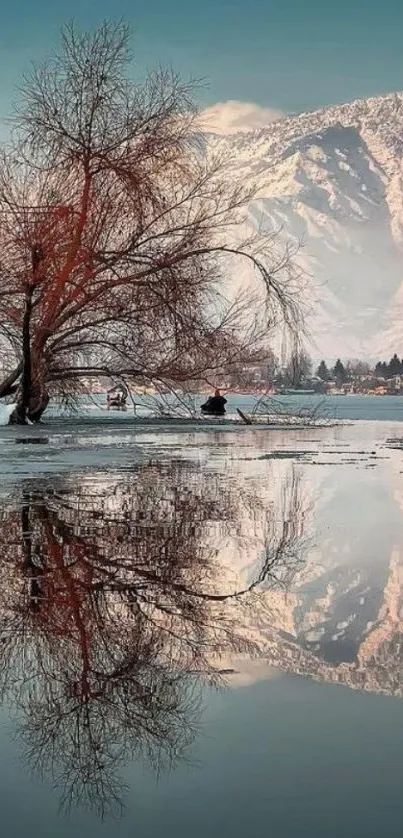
[116, 227]
[299, 367]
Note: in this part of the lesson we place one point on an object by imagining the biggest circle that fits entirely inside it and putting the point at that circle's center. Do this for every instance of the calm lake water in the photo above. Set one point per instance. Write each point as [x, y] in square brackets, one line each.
[379, 408]
[201, 631]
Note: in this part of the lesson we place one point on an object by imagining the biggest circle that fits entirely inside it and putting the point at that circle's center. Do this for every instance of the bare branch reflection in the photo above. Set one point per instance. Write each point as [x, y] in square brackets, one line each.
[116, 606]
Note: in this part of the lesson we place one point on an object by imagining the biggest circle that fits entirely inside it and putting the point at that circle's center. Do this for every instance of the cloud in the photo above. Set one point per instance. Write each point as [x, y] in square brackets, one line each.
[233, 116]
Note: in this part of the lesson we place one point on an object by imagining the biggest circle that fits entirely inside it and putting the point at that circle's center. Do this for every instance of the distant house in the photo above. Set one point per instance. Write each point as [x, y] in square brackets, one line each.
[395, 384]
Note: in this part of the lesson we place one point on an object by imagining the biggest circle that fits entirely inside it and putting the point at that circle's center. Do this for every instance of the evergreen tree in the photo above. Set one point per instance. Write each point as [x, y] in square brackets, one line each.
[322, 371]
[395, 366]
[339, 372]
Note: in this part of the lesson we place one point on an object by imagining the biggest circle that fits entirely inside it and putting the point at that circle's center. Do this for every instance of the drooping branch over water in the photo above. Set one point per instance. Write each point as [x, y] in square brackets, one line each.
[117, 231]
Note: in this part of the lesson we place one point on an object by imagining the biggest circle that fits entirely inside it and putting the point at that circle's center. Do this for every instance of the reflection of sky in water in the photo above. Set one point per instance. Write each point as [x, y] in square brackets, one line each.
[276, 749]
[357, 518]
[283, 758]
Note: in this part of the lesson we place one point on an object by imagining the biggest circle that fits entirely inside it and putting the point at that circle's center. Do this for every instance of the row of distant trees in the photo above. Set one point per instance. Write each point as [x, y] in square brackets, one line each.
[299, 370]
[354, 369]
[339, 372]
[394, 367]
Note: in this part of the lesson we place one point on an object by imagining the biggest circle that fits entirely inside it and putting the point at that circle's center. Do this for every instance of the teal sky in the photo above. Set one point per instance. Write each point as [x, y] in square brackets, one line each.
[292, 55]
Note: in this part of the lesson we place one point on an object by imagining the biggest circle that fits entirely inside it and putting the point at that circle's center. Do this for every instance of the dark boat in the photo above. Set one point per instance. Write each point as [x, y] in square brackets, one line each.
[117, 398]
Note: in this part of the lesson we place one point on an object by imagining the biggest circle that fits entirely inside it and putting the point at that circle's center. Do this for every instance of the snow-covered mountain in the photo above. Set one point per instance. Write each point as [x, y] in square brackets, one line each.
[333, 179]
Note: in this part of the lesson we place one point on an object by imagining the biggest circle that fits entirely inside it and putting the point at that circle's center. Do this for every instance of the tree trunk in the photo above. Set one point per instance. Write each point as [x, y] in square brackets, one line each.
[20, 415]
[38, 402]
[33, 411]
[31, 568]
[32, 397]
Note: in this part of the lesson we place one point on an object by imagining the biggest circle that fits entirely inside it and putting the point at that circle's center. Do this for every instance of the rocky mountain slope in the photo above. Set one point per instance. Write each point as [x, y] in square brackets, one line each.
[333, 179]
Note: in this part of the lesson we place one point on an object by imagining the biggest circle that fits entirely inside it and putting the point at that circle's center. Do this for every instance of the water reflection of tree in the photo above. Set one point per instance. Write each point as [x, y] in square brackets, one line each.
[114, 607]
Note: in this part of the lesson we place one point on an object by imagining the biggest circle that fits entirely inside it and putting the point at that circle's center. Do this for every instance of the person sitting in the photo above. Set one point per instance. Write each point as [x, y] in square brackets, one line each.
[215, 405]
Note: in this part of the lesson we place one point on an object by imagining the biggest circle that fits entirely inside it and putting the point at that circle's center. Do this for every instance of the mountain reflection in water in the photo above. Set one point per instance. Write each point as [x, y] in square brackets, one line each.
[120, 598]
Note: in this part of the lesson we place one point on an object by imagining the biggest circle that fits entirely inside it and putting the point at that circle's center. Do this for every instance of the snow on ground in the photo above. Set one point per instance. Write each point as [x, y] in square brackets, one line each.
[5, 413]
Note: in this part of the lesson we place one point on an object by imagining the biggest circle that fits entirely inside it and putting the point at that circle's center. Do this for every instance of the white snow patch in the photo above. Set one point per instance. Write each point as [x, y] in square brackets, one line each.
[5, 413]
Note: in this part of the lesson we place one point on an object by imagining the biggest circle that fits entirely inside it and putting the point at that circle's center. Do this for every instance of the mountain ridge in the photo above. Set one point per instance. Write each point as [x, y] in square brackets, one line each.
[333, 178]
